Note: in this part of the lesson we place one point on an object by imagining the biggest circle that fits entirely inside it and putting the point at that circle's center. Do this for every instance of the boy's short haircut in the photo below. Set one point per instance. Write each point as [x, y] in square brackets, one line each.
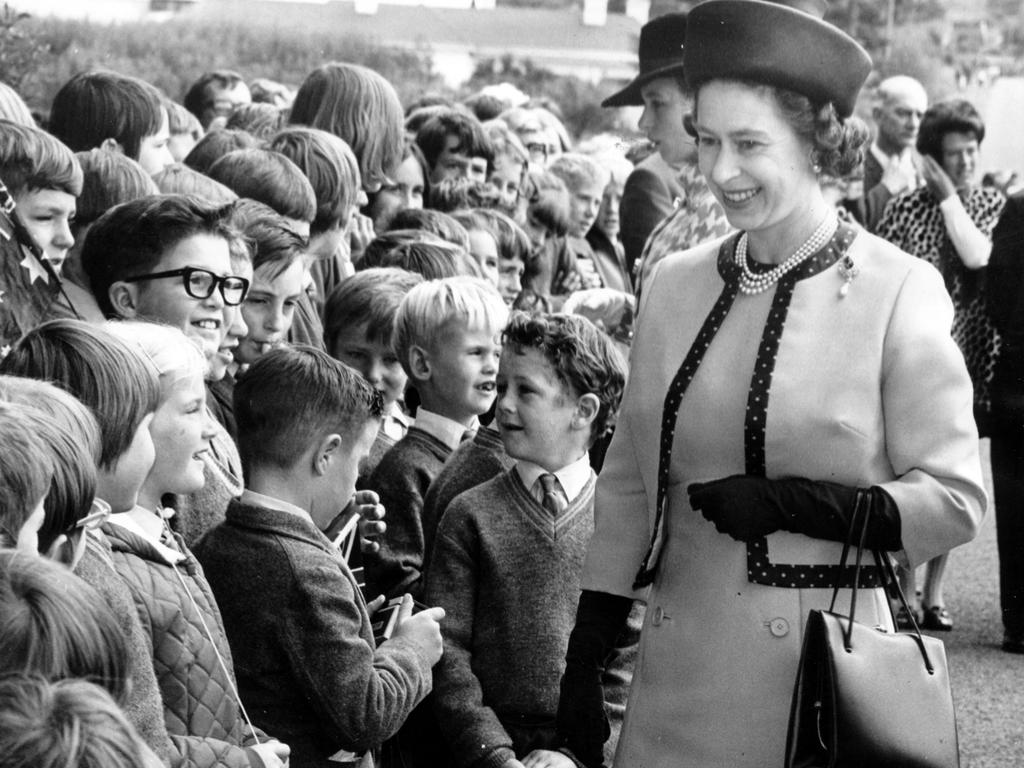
[435, 223]
[358, 105]
[578, 171]
[371, 298]
[92, 107]
[331, 167]
[13, 107]
[26, 466]
[215, 144]
[31, 159]
[180, 120]
[269, 177]
[324, 396]
[432, 306]
[585, 359]
[457, 193]
[513, 243]
[116, 382]
[427, 256]
[432, 136]
[197, 98]
[109, 178]
[74, 445]
[64, 723]
[271, 242]
[261, 120]
[179, 179]
[56, 625]
[131, 238]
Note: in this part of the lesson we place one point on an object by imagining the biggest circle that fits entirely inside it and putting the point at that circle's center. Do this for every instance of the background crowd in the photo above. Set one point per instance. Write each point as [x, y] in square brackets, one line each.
[304, 395]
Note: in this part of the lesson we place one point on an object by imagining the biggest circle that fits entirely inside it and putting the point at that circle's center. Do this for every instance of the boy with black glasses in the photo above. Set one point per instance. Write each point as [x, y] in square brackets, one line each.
[167, 259]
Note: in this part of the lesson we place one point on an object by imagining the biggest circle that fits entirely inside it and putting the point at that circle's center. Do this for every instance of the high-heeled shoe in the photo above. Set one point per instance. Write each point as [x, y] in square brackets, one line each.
[937, 619]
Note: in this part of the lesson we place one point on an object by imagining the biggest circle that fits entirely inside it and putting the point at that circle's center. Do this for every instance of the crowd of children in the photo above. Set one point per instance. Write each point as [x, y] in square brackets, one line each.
[300, 420]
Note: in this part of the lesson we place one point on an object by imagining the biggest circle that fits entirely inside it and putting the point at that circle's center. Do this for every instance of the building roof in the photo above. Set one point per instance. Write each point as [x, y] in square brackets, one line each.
[499, 29]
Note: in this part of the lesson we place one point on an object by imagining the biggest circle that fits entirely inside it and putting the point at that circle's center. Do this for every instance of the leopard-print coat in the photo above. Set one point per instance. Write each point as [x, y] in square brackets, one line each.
[913, 222]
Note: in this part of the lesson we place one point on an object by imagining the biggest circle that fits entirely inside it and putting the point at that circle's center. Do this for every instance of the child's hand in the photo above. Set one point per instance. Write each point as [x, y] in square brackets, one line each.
[274, 754]
[371, 519]
[545, 758]
[423, 629]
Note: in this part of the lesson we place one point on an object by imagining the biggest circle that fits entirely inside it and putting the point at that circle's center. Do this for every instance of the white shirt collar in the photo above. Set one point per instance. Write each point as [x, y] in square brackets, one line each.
[270, 502]
[147, 525]
[573, 478]
[448, 431]
[396, 422]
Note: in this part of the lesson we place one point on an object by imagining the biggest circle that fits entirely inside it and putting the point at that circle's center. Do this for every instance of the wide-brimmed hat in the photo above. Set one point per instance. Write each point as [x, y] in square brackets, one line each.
[661, 54]
[769, 43]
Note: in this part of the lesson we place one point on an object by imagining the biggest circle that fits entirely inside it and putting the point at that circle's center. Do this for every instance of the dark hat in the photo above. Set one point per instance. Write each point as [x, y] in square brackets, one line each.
[661, 54]
[773, 44]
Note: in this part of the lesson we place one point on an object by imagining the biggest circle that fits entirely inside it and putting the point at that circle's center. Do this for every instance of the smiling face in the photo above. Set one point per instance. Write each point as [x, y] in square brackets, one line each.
[960, 158]
[756, 165]
[235, 330]
[374, 360]
[181, 430]
[47, 215]
[269, 309]
[535, 411]
[463, 368]
[665, 106]
[165, 300]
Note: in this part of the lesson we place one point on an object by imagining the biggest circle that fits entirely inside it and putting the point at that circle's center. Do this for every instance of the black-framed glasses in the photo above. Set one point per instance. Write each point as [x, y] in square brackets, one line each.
[201, 283]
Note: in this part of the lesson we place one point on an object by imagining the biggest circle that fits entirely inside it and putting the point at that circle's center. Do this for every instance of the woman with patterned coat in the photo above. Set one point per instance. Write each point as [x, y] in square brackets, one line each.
[782, 377]
[948, 222]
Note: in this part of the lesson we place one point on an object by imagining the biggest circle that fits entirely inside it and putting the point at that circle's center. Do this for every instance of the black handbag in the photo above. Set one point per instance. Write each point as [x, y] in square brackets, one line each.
[868, 697]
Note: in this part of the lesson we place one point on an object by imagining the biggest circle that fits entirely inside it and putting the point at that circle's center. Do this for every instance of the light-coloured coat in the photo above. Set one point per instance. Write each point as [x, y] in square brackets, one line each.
[866, 389]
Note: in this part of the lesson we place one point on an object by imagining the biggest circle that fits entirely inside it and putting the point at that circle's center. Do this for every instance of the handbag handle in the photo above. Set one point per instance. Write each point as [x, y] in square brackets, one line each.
[862, 509]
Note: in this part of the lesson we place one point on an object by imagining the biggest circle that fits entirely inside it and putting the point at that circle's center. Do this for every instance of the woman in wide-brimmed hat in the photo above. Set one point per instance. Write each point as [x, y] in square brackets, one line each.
[778, 375]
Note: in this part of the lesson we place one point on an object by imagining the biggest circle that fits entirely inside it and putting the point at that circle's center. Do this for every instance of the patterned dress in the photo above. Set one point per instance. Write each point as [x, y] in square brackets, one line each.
[913, 222]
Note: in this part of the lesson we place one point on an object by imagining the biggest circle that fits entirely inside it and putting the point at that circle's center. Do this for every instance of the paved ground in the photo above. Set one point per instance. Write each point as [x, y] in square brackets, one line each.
[988, 684]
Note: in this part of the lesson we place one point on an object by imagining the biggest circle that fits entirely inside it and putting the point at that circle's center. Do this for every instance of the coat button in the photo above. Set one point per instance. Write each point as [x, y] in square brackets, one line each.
[778, 627]
[659, 615]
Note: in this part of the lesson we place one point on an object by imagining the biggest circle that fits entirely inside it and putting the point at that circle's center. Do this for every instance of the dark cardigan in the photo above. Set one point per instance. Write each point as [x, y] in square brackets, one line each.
[402, 479]
[304, 652]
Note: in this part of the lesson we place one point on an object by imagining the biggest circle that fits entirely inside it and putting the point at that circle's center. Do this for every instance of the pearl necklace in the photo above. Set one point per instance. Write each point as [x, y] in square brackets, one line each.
[753, 282]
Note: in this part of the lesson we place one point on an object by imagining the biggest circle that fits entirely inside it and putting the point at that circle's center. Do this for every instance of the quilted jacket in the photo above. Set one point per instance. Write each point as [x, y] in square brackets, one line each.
[196, 688]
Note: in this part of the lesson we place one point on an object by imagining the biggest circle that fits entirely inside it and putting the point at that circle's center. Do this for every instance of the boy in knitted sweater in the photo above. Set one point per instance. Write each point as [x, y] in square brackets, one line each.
[508, 554]
[299, 629]
[447, 337]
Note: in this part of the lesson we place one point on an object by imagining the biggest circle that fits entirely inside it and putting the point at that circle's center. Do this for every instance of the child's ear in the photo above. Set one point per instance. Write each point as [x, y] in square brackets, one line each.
[326, 453]
[124, 297]
[587, 408]
[419, 363]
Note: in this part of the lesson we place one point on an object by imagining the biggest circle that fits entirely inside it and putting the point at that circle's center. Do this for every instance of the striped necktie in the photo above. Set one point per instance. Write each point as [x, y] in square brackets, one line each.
[554, 500]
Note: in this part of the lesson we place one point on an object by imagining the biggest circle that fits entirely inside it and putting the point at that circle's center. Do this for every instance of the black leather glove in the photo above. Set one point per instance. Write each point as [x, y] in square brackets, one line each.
[582, 724]
[747, 507]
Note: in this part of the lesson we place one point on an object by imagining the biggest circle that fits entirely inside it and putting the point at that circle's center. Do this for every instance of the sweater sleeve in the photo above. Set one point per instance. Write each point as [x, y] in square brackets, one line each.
[474, 733]
[362, 694]
[396, 568]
